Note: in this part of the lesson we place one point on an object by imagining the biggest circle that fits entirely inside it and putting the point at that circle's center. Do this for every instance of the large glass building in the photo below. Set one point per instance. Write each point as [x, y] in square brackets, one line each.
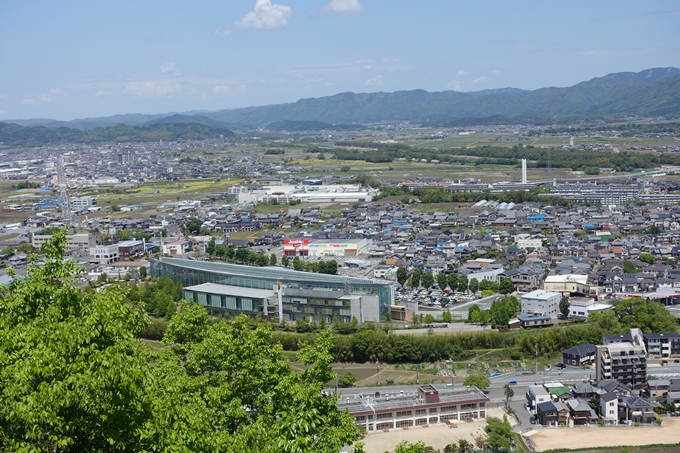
[277, 292]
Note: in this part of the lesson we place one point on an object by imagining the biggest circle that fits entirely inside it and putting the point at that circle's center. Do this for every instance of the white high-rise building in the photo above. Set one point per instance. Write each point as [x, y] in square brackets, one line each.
[524, 171]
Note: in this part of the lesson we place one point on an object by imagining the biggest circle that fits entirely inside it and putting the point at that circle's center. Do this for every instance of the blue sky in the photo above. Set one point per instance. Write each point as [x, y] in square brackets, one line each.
[74, 59]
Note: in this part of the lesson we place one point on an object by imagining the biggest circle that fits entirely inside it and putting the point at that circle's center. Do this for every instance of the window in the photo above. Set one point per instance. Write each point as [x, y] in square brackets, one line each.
[404, 413]
[383, 416]
[447, 409]
[421, 411]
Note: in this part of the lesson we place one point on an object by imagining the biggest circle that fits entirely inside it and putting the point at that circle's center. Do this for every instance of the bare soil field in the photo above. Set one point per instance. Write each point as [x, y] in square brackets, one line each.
[580, 438]
[436, 436]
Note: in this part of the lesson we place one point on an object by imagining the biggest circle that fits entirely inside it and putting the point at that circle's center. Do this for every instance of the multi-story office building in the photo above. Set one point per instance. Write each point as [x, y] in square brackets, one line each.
[625, 361]
[276, 292]
[427, 406]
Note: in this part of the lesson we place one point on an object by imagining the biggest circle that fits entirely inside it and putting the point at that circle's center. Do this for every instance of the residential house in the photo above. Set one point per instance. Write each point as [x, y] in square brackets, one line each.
[580, 355]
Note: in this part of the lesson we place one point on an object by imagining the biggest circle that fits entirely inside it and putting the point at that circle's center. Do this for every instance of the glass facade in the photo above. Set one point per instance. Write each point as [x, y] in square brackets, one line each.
[190, 273]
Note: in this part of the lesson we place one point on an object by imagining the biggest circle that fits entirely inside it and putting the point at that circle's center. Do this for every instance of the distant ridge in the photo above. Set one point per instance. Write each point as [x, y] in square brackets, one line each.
[652, 92]
[13, 134]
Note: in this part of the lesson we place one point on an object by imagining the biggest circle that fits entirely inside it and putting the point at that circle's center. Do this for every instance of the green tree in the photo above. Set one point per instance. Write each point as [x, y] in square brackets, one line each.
[509, 393]
[464, 446]
[210, 247]
[142, 272]
[25, 248]
[478, 380]
[446, 316]
[441, 280]
[451, 448]
[192, 227]
[488, 285]
[647, 258]
[647, 315]
[499, 434]
[419, 447]
[564, 305]
[462, 283]
[285, 261]
[629, 268]
[429, 319]
[474, 314]
[606, 321]
[298, 265]
[346, 379]
[66, 385]
[123, 235]
[74, 378]
[452, 280]
[427, 280]
[474, 285]
[415, 278]
[506, 286]
[402, 275]
[272, 260]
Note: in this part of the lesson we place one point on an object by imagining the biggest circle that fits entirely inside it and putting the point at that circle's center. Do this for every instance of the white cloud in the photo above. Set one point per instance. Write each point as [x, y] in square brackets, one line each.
[222, 31]
[454, 85]
[478, 81]
[152, 89]
[43, 98]
[344, 7]
[4, 113]
[495, 71]
[168, 67]
[462, 72]
[328, 84]
[221, 89]
[265, 16]
[614, 52]
[3, 97]
[377, 80]
[103, 93]
[228, 89]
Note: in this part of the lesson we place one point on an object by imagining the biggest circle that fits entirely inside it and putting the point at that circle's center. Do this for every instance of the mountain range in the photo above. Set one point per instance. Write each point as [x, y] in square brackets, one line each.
[652, 92]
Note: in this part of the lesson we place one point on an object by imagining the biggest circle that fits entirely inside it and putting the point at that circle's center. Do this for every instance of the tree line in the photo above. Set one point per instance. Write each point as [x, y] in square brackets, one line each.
[497, 155]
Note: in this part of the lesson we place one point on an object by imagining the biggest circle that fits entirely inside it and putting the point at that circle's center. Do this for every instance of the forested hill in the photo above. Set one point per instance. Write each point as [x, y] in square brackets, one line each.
[652, 92]
[648, 93]
[13, 134]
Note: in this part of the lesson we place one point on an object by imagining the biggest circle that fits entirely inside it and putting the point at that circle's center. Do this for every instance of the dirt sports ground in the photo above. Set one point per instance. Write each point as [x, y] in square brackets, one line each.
[581, 439]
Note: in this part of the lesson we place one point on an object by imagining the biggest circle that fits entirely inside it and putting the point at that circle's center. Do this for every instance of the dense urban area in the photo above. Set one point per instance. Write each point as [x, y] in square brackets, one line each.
[501, 289]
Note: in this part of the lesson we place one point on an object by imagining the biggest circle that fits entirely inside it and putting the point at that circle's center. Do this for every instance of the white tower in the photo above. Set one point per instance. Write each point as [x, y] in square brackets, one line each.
[524, 171]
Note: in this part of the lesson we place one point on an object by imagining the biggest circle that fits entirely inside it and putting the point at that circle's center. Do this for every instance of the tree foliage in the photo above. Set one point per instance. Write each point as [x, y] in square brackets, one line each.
[506, 286]
[478, 380]
[564, 305]
[415, 278]
[402, 275]
[427, 280]
[73, 377]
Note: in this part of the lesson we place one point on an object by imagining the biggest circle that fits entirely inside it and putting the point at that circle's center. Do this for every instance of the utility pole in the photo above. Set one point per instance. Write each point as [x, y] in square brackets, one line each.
[377, 366]
[536, 348]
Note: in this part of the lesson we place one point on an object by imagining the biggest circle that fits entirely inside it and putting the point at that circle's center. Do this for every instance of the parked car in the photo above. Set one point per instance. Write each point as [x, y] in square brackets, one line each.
[512, 382]
[561, 365]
